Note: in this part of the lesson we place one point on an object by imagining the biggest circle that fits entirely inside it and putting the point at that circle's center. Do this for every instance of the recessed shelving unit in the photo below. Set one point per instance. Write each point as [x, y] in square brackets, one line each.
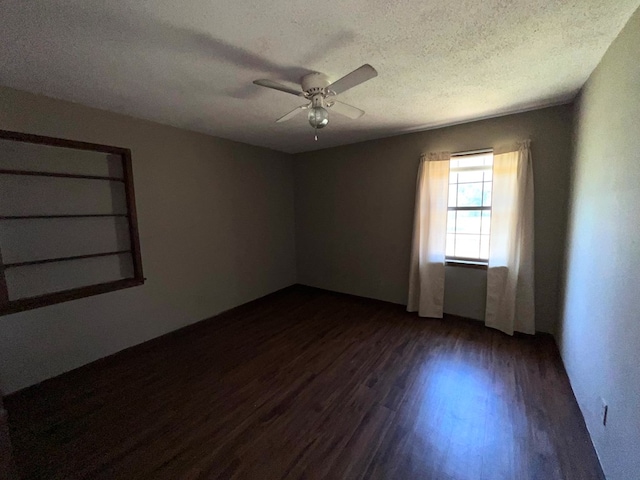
[68, 226]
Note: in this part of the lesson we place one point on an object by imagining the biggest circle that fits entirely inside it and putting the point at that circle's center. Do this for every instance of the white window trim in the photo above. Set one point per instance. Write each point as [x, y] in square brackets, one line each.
[453, 260]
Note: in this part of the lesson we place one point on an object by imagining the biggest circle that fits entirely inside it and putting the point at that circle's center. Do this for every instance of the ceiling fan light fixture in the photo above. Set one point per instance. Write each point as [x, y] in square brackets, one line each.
[318, 117]
[320, 94]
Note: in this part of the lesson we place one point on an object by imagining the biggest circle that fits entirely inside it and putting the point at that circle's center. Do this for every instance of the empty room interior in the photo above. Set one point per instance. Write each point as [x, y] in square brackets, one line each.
[337, 240]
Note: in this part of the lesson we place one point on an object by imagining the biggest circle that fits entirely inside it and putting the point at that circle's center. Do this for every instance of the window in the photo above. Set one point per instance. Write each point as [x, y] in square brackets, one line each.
[469, 215]
[67, 221]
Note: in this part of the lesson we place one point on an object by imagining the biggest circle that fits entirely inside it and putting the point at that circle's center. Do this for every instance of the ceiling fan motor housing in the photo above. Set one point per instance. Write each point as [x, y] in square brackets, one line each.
[314, 83]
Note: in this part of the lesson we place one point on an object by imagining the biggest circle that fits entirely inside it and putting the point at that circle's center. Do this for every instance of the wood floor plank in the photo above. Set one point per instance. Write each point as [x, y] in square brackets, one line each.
[310, 384]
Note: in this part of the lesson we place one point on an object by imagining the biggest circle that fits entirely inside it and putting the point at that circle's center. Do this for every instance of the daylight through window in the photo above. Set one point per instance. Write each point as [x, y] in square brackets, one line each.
[469, 216]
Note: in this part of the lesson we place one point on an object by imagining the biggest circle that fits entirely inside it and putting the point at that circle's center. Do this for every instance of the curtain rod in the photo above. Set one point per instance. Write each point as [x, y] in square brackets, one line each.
[472, 152]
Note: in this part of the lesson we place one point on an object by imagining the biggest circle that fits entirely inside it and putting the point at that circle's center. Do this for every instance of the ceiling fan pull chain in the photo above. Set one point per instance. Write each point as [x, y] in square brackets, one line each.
[315, 133]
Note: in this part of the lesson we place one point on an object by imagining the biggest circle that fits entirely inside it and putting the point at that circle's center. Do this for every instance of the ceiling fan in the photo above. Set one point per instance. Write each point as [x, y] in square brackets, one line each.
[321, 94]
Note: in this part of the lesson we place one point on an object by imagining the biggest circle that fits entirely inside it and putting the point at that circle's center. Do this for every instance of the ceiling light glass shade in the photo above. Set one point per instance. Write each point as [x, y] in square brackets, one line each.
[318, 117]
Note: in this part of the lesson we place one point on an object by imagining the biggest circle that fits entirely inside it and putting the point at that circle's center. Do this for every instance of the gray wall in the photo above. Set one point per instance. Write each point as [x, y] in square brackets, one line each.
[354, 210]
[600, 330]
[216, 230]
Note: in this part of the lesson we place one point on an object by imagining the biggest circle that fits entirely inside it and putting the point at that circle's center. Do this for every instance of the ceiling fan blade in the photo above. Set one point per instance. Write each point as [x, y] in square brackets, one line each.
[278, 86]
[346, 110]
[292, 113]
[350, 80]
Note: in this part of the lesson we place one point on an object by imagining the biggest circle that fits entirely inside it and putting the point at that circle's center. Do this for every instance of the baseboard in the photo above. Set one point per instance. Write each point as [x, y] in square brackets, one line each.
[449, 316]
[346, 294]
[161, 338]
[584, 420]
[385, 302]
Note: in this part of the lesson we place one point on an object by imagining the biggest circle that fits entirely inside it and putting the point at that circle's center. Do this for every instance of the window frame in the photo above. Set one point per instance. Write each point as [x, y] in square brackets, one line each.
[8, 306]
[469, 262]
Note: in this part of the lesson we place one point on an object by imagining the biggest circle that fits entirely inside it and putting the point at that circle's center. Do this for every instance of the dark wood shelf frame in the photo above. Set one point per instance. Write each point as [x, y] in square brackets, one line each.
[64, 259]
[66, 295]
[75, 215]
[5, 171]
[4, 292]
[8, 306]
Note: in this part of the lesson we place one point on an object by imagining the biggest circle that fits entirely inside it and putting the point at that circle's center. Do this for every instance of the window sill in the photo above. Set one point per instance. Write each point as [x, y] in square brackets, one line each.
[464, 264]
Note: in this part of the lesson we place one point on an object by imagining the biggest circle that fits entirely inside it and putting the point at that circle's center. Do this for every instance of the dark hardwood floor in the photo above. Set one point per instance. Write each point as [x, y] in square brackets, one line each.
[310, 384]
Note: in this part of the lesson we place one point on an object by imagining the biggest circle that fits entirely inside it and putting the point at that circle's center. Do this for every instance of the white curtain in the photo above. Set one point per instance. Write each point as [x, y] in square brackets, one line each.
[426, 278]
[510, 277]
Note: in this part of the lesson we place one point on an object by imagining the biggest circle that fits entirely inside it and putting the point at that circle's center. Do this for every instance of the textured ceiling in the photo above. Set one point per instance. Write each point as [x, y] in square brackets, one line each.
[191, 64]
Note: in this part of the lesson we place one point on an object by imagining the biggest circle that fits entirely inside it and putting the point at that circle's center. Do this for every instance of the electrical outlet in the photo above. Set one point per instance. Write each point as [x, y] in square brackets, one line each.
[604, 410]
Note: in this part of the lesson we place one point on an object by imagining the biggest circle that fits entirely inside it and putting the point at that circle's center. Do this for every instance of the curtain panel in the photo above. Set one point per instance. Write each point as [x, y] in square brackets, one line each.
[426, 277]
[510, 276]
